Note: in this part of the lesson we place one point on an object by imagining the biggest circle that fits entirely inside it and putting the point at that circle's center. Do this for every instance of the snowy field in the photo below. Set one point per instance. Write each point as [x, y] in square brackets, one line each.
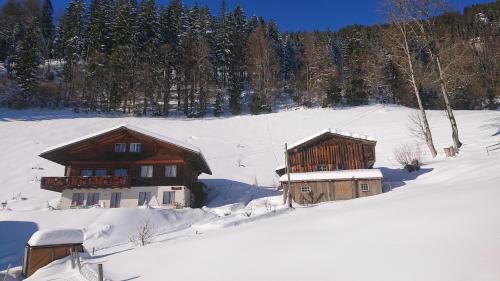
[441, 223]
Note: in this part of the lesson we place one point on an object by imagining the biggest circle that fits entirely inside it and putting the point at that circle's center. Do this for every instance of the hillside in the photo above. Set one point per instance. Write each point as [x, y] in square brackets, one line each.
[441, 223]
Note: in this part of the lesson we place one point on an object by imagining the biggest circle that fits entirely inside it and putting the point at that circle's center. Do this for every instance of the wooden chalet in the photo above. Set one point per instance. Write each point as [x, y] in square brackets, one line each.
[331, 166]
[126, 166]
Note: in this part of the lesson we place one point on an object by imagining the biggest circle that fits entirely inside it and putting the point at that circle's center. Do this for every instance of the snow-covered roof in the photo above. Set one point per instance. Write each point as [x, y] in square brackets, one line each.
[130, 127]
[332, 131]
[57, 236]
[156, 136]
[334, 175]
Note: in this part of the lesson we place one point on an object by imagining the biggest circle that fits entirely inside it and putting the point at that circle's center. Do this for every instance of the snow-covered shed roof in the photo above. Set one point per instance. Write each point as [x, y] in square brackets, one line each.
[56, 236]
[333, 175]
[333, 132]
[139, 130]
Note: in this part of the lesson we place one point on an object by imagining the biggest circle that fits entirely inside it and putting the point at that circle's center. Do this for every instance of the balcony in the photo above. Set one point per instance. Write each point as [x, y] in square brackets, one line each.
[59, 183]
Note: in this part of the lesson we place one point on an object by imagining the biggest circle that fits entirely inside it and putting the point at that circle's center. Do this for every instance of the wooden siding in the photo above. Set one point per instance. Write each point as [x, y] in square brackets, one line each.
[322, 191]
[336, 152]
[38, 257]
[99, 153]
[59, 183]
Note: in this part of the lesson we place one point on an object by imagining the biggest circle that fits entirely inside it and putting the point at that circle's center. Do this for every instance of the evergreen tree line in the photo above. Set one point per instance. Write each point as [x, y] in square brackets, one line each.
[142, 58]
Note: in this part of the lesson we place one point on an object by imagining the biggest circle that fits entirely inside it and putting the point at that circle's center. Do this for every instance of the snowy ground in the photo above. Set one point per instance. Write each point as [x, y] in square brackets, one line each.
[442, 223]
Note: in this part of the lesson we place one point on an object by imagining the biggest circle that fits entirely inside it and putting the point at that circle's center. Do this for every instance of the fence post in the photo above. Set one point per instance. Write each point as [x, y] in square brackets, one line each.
[77, 256]
[100, 272]
[72, 255]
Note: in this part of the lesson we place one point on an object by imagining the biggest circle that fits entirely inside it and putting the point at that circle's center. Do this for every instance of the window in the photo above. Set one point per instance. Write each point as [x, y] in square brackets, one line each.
[322, 167]
[147, 171]
[92, 199]
[305, 189]
[144, 198]
[171, 171]
[168, 197]
[121, 172]
[135, 147]
[77, 200]
[101, 172]
[120, 147]
[115, 200]
[364, 187]
[86, 172]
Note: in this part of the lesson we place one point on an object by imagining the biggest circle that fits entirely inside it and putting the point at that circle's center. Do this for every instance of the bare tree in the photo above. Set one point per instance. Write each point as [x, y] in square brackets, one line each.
[263, 68]
[409, 156]
[317, 68]
[424, 15]
[145, 231]
[401, 15]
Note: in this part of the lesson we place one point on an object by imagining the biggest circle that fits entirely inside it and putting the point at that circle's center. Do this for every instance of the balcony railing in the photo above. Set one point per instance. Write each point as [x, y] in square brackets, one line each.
[60, 183]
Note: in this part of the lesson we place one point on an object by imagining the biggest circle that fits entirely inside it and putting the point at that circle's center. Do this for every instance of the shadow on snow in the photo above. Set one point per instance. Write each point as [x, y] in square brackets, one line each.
[223, 192]
[394, 178]
[13, 238]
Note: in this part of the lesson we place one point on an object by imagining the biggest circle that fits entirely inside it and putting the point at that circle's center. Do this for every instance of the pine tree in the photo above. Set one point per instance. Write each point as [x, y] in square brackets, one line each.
[27, 60]
[148, 40]
[237, 37]
[71, 44]
[47, 28]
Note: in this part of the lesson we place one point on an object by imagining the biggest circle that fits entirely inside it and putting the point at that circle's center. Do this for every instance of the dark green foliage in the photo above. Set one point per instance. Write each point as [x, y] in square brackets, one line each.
[357, 92]
[27, 60]
[118, 56]
[333, 94]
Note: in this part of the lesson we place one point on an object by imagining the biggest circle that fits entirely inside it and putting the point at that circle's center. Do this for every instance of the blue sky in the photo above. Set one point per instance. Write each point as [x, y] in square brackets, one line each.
[293, 15]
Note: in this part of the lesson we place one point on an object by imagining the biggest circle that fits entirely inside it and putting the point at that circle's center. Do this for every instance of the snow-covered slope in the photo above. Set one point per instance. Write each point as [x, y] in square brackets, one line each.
[442, 223]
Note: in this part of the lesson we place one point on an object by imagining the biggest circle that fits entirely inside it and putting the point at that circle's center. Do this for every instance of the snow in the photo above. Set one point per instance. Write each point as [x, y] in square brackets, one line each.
[331, 131]
[334, 175]
[58, 236]
[441, 223]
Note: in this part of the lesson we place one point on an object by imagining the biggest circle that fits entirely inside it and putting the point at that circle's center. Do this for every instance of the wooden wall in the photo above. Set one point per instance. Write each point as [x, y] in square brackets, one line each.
[336, 152]
[38, 257]
[322, 191]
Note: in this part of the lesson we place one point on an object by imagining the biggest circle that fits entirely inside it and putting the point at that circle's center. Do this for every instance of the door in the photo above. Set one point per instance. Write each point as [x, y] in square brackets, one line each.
[343, 190]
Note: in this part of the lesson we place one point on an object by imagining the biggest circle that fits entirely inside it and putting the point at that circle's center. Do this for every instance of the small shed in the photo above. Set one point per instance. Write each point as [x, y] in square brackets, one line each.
[315, 187]
[48, 245]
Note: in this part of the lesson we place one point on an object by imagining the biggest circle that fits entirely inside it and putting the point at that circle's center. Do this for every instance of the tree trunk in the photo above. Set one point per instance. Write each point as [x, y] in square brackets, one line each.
[449, 111]
[423, 116]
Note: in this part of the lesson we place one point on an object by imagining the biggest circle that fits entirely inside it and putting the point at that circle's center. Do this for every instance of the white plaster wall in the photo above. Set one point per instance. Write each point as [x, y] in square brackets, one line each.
[129, 196]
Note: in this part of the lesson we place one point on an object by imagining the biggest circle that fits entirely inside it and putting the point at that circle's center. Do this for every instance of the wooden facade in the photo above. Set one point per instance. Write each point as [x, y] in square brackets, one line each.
[326, 155]
[36, 257]
[94, 162]
[330, 152]
[322, 191]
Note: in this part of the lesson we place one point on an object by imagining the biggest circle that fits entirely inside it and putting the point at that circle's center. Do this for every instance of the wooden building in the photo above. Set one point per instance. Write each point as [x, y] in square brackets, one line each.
[46, 246]
[126, 166]
[331, 166]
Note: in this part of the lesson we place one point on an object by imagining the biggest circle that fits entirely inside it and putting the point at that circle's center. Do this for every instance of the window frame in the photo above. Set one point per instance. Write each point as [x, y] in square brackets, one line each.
[171, 197]
[150, 172]
[121, 144]
[135, 145]
[322, 168]
[145, 200]
[115, 200]
[101, 169]
[173, 171]
[305, 189]
[120, 169]
[79, 200]
[361, 187]
[93, 196]
[86, 169]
